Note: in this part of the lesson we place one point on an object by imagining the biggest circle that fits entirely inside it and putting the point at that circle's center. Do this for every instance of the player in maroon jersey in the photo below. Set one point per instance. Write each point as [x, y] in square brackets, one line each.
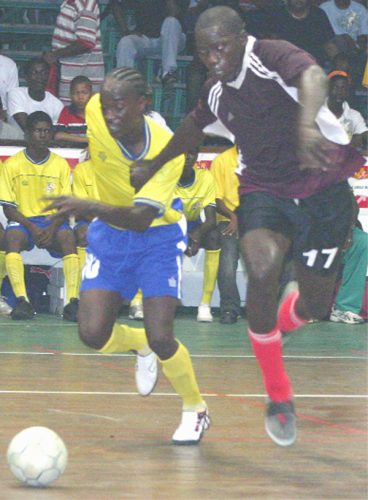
[294, 158]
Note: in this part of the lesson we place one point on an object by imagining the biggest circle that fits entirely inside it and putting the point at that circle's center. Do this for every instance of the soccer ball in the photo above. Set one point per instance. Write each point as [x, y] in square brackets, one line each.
[37, 456]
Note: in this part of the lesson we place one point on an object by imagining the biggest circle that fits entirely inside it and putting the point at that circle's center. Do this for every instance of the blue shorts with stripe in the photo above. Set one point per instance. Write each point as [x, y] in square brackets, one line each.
[42, 222]
[124, 261]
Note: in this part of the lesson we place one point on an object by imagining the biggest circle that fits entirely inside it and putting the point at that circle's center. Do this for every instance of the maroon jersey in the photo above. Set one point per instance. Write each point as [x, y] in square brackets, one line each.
[258, 111]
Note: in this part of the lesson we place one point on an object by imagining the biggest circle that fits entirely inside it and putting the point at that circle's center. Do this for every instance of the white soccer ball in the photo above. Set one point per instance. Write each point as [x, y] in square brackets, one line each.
[37, 456]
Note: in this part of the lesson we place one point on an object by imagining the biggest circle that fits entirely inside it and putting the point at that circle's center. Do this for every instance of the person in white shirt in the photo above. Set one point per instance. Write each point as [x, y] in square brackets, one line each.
[352, 121]
[8, 80]
[349, 20]
[23, 101]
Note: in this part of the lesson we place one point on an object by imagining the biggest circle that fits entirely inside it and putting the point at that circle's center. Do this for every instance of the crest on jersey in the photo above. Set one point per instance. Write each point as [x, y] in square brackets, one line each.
[50, 187]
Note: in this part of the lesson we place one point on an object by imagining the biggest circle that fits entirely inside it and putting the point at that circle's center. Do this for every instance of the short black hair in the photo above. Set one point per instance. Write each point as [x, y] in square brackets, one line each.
[130, 75]
[36, 117]
[80, 79]
[32, 62]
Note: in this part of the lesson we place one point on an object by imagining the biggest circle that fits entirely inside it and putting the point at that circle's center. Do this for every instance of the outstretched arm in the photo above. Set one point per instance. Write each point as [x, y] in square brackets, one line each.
[186, 138]
[315, 152]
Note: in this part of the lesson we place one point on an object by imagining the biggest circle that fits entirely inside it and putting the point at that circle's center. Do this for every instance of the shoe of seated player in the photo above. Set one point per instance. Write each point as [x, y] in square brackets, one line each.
[204, 314]
[280, 422]
[136, 312]
[146, 373]
[5, 308]
[347, 317]
[70, 311]
[191, 428]
[23, 310]
[228, 318]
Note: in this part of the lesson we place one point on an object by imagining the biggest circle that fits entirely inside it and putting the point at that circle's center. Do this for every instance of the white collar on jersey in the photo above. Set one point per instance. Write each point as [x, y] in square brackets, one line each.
[240, 78]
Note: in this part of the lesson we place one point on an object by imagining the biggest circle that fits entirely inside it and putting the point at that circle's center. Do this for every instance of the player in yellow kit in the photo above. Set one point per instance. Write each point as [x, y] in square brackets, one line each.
[132, 246]
[83, 186]
[25, 178]
[5, 309]
[196, 190]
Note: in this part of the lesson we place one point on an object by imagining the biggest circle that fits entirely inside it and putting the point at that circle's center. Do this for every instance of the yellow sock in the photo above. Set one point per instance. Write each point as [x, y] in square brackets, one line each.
[179, 370]
[124, 338]
[71, 275]
[15, 269]
[2, 267]
[138, 299]
[211, 264]
[82, 253]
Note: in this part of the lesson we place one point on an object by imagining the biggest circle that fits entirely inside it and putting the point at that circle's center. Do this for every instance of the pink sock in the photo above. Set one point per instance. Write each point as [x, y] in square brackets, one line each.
[288, 319]
[268, 350]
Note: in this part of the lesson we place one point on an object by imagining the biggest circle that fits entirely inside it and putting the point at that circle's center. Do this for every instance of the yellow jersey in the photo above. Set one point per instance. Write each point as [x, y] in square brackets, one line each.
[227, 183]
[83, 183]
[23, 183]
[111, 162]
[197, 195]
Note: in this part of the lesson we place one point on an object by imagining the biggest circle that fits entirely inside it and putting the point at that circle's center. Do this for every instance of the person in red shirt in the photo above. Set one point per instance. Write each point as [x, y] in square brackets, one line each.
[71, 124]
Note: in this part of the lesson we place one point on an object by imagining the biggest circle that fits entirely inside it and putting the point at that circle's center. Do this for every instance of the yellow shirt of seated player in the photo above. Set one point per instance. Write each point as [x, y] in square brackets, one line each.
[198, 194]
[111, 164]
[83, 184]
[23, 183]
[227, 183]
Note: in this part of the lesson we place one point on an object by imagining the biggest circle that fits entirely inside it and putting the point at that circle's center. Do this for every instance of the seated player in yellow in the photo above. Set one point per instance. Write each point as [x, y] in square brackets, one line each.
[5, 308]
[196, 189]
[132, 246]
[83, 186]
[25, 178]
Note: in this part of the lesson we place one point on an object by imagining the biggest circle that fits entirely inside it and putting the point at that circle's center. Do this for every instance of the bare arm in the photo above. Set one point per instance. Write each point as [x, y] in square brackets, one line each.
[232, 227]
[73, 49]
[136, 218]
[315, 152]
[186, 138]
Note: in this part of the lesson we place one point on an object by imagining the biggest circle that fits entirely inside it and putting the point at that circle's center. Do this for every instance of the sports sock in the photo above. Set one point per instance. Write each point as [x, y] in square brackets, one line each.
[15, 270]
[211, 265]
[137, 299]
[288, 319]
[82, 253]
[268, 350]
[179, 371]
[2, 268]
[124, 338]
[71, 275]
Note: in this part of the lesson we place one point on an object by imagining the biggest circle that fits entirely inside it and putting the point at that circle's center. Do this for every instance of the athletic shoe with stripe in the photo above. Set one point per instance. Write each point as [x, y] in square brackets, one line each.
[281, 422]
[191, 428]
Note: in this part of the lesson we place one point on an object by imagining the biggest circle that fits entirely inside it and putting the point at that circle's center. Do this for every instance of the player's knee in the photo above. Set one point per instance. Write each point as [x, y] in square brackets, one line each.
[91, 336]
[163, 347]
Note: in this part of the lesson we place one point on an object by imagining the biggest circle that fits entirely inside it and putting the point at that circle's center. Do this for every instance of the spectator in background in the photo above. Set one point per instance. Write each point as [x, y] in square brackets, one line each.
[23, 101]
[25, 178]
[5, 309]
[307, 27]
[76, 45]
[158, 32]
[71, 125]
[227, 200]
[350, 294]
[352, 121]
[149, 111]
[83, 186]
[260, 18]
[349, 20]
[8, 81]
[196, 190]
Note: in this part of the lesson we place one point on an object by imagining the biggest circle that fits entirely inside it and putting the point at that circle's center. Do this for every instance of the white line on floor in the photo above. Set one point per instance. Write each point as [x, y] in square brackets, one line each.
[172, 394]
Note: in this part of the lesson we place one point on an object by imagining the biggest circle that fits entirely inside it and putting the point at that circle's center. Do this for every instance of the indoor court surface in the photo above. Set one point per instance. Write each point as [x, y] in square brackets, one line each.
[119, 442]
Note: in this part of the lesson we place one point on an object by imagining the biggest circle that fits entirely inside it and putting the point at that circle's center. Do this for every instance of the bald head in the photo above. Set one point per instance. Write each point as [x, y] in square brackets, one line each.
[224, 17]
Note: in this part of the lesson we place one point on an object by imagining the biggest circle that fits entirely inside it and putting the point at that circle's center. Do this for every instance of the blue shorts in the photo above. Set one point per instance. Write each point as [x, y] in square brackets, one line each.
[42, 222]
[124, 261]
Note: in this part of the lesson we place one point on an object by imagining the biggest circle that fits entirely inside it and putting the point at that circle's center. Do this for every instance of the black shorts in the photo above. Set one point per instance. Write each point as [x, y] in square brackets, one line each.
[318, 225]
